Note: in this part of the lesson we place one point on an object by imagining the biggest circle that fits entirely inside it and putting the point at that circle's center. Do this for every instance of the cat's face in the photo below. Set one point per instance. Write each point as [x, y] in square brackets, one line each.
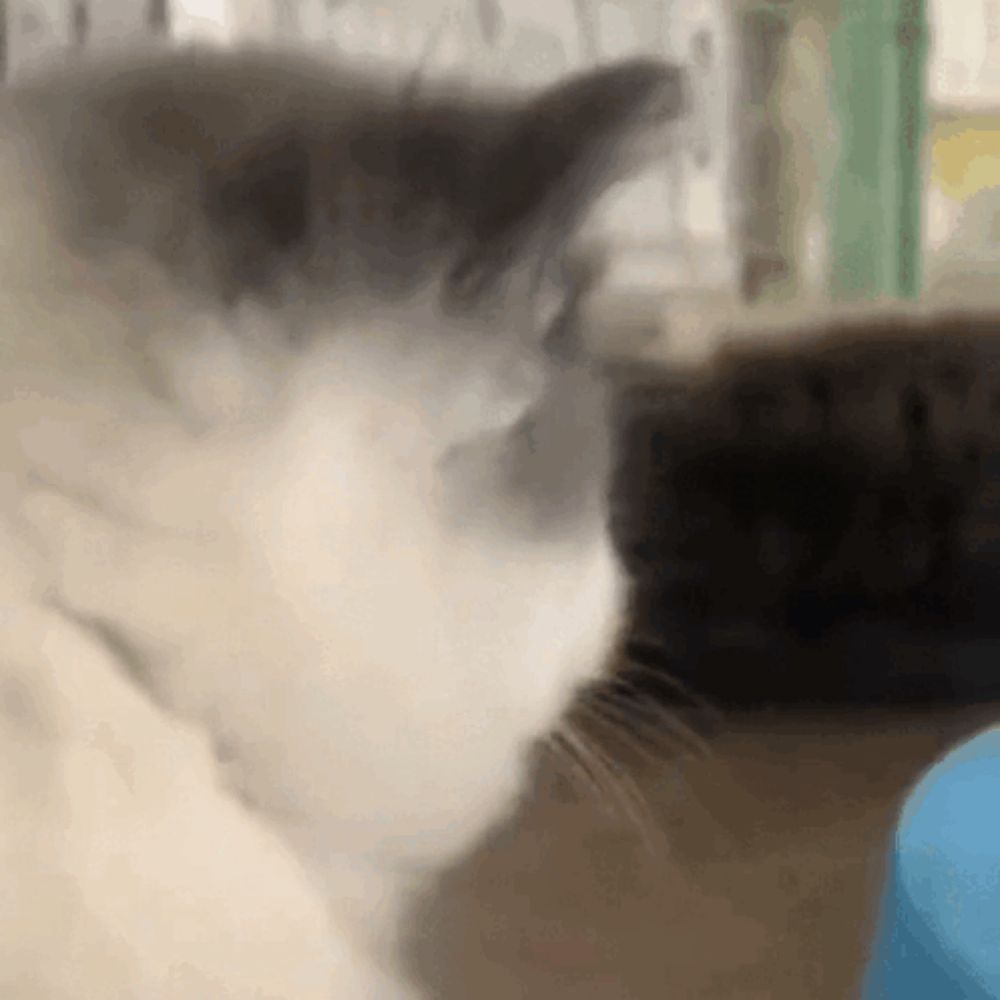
[288, 427]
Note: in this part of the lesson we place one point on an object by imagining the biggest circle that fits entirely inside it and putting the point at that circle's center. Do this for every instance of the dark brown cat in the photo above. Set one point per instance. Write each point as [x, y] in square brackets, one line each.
[813, 518]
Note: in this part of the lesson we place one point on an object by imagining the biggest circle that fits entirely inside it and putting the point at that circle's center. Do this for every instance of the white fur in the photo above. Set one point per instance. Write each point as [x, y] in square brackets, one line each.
[301, 592]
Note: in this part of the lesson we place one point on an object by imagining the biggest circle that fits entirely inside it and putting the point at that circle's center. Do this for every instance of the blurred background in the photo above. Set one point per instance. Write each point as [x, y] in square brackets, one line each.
[881, 114]
[838, 151]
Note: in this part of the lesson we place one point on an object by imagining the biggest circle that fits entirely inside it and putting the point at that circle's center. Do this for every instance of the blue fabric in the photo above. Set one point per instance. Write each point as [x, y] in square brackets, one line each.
[939, 937]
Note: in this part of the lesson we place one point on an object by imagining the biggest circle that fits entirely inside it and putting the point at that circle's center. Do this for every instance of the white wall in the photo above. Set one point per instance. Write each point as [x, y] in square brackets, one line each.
[965, 65]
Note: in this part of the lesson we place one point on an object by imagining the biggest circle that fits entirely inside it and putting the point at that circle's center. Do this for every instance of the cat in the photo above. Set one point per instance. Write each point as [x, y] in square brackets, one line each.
[295, 443]
[809, 516]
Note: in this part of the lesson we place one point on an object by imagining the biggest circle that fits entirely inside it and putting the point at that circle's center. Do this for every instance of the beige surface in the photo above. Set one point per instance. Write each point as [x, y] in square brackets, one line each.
[764, 883]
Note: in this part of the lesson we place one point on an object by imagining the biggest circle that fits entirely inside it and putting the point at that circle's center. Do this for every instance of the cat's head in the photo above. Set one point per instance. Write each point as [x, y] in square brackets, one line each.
[306, 446]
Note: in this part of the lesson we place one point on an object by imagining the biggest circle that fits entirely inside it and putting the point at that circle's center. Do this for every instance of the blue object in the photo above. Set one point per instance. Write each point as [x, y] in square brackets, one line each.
[940, 933]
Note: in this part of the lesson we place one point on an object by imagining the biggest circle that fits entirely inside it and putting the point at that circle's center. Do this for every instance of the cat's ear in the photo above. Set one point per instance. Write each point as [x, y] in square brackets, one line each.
[567, 145]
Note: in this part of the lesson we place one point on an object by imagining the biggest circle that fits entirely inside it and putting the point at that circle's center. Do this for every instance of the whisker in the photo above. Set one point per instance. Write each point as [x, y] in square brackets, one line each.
[629, 686]
[607, 717]
[568, 744]
[650, 721]
[619, 786]
[655, 721]
[577, 772]
[662, 677]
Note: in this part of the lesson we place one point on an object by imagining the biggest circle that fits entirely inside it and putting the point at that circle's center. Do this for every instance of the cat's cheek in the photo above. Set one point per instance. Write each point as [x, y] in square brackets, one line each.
[593, 617]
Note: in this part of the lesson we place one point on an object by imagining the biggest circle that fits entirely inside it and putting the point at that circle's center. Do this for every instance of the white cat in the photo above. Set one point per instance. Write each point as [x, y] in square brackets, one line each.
[302, 517]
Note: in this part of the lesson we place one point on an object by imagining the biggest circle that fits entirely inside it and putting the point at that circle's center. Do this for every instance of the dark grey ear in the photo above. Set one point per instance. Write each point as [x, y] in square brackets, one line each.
[570, 143]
